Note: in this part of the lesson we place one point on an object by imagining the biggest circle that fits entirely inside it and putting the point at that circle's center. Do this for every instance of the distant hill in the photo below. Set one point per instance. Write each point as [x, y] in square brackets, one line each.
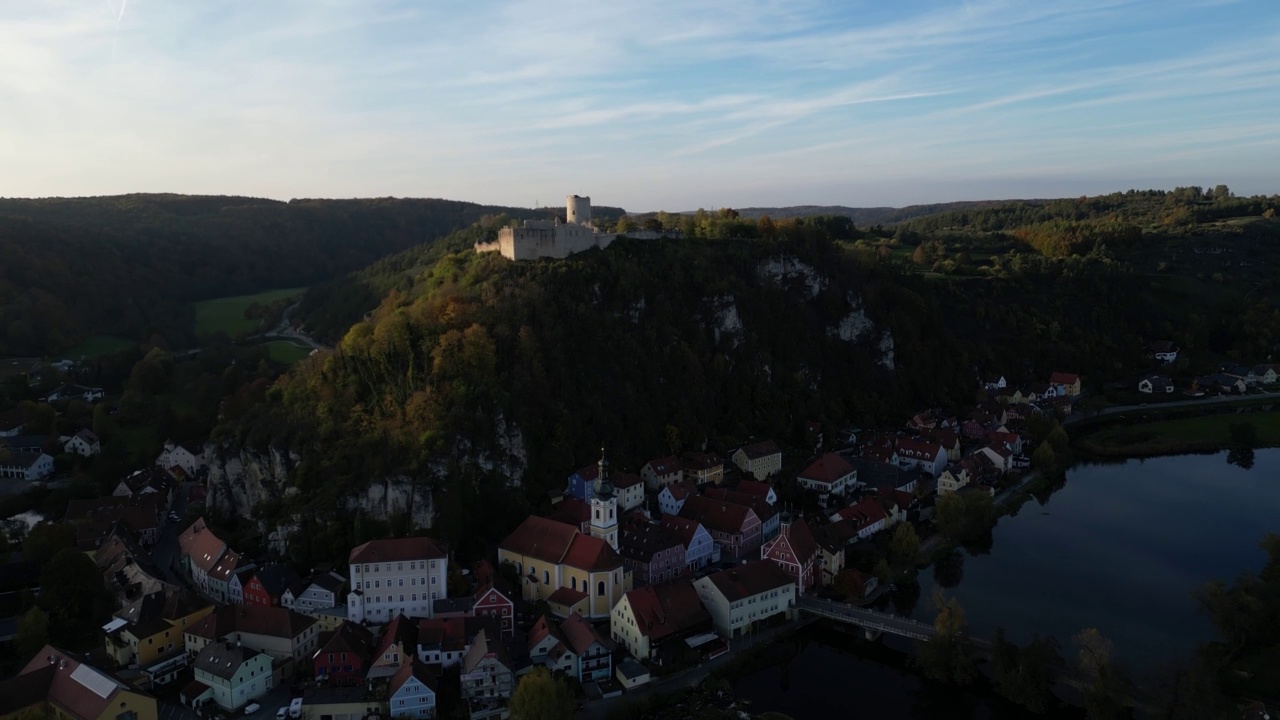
[872, 215]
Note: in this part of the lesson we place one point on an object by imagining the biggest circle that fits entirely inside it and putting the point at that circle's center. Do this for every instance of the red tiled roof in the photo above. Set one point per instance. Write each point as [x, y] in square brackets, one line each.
[567, 597]
[677, 491]
[665, 465]
[571, 511]
[82, 690]
[350, 637]
[540, 538]
[666, 609]
[754, 488]
[392, 549]
[800, 538]
[414, 668]
[864, 513]
[591, 554]
[701, 461]
[622, 480]
[1061, 378]
[581, 635]
[827, 469]
[719, 515]
[761, 450]
[206, 551]
[919, 449]
[757, 503]
[945, 438]
[683, 528]
[749, 580]
[254, 619]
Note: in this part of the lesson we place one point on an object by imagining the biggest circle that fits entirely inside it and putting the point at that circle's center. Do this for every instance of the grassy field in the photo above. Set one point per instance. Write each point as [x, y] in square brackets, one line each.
[1182, 435]
[97, 345]
[227, 314]
[285, 351]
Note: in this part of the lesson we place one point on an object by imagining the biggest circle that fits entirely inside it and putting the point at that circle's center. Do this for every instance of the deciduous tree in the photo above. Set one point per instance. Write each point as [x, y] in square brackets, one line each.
[539, 696]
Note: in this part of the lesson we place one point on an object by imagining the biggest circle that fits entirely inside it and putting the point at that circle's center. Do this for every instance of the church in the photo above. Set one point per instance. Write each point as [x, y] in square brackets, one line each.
[574, 572]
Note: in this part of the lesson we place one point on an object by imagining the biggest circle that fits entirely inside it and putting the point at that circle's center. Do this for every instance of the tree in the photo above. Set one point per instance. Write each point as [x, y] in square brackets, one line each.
[46, 540]
[904, 547]
[1105, 695]
[1025, 676]
[71, 589]
[948, 515]
[949, 657]
[948, 570]
[539, 696]
[33, 634]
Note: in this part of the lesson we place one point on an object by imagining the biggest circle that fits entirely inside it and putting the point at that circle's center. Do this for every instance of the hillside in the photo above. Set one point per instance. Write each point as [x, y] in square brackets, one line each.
[869, 215]
[130, 265]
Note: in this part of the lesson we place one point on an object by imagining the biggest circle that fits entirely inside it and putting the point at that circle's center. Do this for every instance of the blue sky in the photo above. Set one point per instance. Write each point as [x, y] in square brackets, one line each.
[648, 104]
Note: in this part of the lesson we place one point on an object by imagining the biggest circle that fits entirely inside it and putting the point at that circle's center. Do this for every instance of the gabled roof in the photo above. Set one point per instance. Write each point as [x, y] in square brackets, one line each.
[275, 579]
[1061, 378]
[400, 631]
[717, 515]
[864, 513]
[762, 449]
[682, 527]
[919, 449]
[540, 538]
[642, 542]
[27, 690]
[591, 554]
[676, 491]
[253, 619]
[757, 503]
[483, 646]
[827, 469]
[415, 669]
[800, 538]
[700, 461]
[667, 609]
[754, 488]
[567, 597]
[580, 635]
[351, 638]
[622, 480]
[393, 549]
[87, 436]
[665, 465]
[223, 659]
[571, 511]
[81, 690]
[749, 580]
[330, 581]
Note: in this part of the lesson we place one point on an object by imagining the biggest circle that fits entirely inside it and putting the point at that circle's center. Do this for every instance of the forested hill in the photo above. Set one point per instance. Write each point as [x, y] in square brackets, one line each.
[129, 265]
[869, 215]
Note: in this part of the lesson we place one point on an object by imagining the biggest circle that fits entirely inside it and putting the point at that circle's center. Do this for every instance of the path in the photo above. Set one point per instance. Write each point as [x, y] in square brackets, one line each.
[285, 331]
[1216, 400]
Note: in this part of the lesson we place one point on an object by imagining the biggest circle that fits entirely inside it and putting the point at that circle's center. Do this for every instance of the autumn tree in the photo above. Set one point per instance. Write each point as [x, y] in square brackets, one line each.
[1025, 675]
[949, 656]
[904, 546]
[539, 696]
[32, 634]
[46, 540]
[1093, 661]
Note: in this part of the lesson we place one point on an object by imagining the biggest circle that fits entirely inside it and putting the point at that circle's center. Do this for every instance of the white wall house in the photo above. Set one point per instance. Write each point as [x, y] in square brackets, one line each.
[396, 576]
[410, 692]
[26, 466]
[83, 443]
[320, 592]
[189, 457]
[235, 674]
[737, 599]
[671, 499]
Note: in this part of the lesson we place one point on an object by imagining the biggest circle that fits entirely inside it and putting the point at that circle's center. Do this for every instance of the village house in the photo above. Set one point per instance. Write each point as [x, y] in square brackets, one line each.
[488, 677]
[1066, 384]
[318, 592]
[208, 561]
[267, 586]
[651, 554]
[952, 479]
[759, 460]
[921, 454]
[12, 422]
[411, 692]
[344, 658]
[866, 515]
[58, 684]
[833, 539]
[699, 548]
[559, 564]
[71, 391]
[84, 444]
[149, 481]
[1265, 374]
[127, 568]
[662, 472]
[628, 488]
[494, 598]
[1156, 384]
[399, 640]
[734, 528]
[672, 497]
[1164, 351]
[232, 675]
[702, 468]
[93, 519]
[281, 633]
[796, 553]
[342, 703]
[757, 489]
[396, 575]
[995, 383]
[829, 475]
[739, 599]
[999, 455]
[547, 646]
[593, 654]
[188, 456]
[948, 438]
[648, 618]
[25, 465]
[770, 517]
[443, 642]
[149, 633]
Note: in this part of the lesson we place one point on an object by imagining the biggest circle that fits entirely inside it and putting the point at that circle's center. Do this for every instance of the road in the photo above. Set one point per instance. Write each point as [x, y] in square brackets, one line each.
[866, 618]
[287, 332]
[691, 677]
[1217, 400]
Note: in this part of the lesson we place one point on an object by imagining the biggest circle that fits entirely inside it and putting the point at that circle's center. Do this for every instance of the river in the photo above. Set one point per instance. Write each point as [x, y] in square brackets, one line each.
[1119, 547]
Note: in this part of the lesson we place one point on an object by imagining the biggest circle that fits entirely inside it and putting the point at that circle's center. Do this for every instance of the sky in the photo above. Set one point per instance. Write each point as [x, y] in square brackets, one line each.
[643, 104]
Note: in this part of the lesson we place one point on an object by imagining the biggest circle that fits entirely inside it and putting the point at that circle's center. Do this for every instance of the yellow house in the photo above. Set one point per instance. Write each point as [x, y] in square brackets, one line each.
[759, 460]
[571, 571]
[952, 479]
[149, 632]
[56, 685]
[1067, 384]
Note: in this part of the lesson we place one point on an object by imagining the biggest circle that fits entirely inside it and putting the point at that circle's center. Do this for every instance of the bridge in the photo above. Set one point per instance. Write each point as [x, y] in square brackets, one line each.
[873, 622]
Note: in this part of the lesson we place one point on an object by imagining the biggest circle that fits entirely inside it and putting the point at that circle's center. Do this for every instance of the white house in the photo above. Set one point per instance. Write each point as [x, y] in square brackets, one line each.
[1164, 351]
[75, 392]
[188, 456]
[996, 383]
[661, 472]
[83, 443]
[319, 592]
[411, 691]
[26, 466]
[926, 455]
[1155, 384]
[671, 498]
[235, 675]
[1000, 456]
[396, 576]
[829, 475]
[739, 598]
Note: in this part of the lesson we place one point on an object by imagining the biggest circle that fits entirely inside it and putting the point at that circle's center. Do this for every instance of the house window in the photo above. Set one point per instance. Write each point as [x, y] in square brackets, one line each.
[600, 588]
[573, 583]
[399, 566]
[401, 582]
[433, 564]
[546, 577]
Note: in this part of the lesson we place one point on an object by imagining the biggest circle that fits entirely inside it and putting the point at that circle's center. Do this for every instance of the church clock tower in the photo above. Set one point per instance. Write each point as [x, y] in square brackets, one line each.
[604, 506]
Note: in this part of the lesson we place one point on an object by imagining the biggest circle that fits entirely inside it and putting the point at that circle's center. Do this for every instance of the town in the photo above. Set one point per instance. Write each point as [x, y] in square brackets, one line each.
[630, 579]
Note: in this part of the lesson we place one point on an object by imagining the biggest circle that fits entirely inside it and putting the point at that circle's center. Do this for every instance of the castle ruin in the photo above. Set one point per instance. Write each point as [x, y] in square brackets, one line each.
[555, 239]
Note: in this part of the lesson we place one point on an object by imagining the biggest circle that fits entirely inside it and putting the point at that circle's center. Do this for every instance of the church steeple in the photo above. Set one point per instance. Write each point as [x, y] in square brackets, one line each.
[604, 506]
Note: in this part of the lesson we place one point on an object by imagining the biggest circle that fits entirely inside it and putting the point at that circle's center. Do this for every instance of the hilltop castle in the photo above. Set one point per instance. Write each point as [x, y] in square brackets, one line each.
[555, 239]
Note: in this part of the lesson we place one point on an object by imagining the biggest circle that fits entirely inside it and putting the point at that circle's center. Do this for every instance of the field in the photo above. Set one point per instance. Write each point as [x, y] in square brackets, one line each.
[227, 314]
[1182, 435]
[97, 345]
[285, 351]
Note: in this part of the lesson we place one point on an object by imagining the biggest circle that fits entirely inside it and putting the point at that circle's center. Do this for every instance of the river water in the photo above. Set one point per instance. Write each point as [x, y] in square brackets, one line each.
[1119, 547]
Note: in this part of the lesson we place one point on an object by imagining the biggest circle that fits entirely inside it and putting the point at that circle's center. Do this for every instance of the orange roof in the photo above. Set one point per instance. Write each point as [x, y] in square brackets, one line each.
[1061, 378]
[661, 610]
[591, 554]
[540, 538]
[827, 469]
[581, 635]
[392, 549]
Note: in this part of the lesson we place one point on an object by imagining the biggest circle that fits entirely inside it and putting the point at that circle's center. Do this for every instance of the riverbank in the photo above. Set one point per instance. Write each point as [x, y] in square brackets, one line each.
[1197, 434]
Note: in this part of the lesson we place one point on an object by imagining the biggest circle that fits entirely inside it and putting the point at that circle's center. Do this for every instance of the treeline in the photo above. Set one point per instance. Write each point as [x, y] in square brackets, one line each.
[130, 265]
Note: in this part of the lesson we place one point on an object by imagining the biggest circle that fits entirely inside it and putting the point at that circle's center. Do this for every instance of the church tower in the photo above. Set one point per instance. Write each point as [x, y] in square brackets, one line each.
[604, 506]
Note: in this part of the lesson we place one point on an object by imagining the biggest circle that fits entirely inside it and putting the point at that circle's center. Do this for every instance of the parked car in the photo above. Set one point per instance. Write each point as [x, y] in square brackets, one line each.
[252, 708]
[282, 713]
[295, 708]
